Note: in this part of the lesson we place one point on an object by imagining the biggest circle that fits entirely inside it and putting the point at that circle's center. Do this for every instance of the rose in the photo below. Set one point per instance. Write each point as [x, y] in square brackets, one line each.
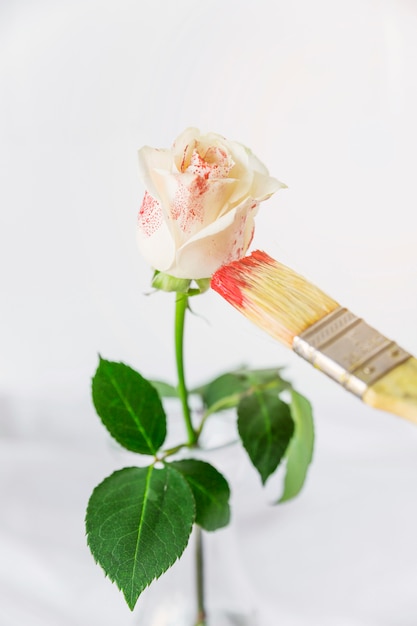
[201, 199]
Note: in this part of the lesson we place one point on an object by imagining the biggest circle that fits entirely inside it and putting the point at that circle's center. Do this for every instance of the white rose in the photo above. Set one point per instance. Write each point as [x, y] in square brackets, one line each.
[201, 199]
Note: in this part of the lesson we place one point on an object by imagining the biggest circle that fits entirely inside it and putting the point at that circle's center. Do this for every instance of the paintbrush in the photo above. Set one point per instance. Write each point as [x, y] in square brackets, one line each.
[317, 328]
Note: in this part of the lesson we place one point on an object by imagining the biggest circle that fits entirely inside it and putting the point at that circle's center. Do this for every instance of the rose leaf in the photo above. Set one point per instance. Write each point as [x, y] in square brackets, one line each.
[210, 490]
[165, 390]
[138, 524]
[129, 407]
[225, 390]
[300, 449]
[265, 427]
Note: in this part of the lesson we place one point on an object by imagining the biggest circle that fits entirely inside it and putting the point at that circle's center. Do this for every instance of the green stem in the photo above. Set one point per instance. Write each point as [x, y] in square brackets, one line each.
[180, 311]
[201, 609]
[174, 450]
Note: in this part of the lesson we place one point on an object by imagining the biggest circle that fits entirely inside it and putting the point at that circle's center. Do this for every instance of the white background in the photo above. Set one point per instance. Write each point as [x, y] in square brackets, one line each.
[325, 93]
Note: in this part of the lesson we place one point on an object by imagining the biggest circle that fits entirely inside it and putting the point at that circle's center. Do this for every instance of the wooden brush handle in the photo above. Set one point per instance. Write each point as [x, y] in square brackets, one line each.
[396, 392]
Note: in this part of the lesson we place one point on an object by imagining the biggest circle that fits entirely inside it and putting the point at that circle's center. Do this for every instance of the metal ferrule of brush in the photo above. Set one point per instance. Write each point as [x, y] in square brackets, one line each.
[348, 350]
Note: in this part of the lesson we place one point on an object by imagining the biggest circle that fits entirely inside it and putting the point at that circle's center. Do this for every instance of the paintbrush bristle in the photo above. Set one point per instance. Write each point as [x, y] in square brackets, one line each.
[272, 295]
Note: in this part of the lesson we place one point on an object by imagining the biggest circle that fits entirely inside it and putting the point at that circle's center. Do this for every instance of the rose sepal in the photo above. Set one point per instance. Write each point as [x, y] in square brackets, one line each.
[166, 282]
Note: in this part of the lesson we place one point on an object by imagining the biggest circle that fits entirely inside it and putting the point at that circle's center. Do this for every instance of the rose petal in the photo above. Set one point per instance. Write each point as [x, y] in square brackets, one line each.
[197, 203]
[255, 164]
[150, 216]
[183, 147]
[152, 161]
[264, 186]
[224, 241]
[153, 236]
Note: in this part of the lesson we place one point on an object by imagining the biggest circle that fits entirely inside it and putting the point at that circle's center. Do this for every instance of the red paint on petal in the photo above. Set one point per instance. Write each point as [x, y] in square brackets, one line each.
[199, 166]
[189, 204]
[150, 215]
[187, 208]
[184, 156]
[251, 237]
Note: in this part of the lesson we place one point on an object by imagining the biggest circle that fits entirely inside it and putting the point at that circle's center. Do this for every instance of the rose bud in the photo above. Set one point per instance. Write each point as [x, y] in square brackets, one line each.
[201, 200]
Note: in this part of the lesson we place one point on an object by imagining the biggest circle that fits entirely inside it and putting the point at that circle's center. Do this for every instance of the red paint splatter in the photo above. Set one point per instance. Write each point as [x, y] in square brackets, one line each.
[238, 247]
[200, 167]
[214, 163]
[189, 203]
[150, 215]
[187, 207]
[251, 236]
[184, 156]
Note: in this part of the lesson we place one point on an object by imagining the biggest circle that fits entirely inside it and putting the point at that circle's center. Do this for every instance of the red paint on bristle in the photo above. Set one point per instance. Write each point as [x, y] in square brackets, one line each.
[227, 283]
[261, 258]
[229, 280]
